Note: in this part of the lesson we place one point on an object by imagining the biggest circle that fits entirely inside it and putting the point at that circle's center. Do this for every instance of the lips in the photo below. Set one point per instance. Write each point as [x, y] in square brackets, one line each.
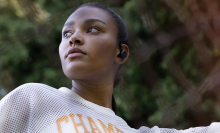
[75, 52]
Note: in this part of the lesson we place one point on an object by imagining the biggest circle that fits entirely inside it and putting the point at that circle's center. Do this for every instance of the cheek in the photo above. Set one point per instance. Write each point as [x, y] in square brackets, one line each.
[104, 49]
[61, 51]
[108, 46]
[62, 55]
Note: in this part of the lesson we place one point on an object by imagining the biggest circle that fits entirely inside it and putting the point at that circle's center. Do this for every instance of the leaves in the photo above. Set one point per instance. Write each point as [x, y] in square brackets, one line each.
[171, 78]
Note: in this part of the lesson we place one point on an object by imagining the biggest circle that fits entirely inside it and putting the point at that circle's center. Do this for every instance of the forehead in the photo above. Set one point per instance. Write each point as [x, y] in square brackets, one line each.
[87, 12]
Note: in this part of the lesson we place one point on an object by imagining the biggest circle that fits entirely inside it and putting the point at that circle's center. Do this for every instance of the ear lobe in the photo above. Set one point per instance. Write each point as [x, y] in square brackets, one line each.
[122, 54]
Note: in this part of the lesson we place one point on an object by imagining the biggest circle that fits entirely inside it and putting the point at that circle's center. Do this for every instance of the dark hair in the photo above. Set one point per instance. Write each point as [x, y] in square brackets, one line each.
[122, 37]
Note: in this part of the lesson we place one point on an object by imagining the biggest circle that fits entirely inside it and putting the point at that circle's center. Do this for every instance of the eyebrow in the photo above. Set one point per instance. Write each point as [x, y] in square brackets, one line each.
[94, 20]
[69, 23]
[86, 21]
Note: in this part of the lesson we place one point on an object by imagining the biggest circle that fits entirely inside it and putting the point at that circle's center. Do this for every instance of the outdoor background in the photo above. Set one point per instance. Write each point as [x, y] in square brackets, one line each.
[172, 76]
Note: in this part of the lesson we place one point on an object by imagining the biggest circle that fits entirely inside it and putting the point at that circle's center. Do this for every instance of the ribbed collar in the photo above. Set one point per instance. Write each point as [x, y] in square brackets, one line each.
[88, 103]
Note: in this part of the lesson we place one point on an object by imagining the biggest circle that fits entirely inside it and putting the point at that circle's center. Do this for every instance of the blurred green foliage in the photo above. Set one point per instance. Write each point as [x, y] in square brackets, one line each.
[157, 88]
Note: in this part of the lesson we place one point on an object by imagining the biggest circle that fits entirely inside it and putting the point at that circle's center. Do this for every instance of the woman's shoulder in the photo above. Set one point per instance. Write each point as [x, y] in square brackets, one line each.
[26, 95]
[28, 86]
[22, 102]
[27, 90]
[33, 88]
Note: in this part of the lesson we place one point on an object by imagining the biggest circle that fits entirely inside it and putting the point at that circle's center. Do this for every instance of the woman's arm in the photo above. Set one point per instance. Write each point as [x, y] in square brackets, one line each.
[213, 128]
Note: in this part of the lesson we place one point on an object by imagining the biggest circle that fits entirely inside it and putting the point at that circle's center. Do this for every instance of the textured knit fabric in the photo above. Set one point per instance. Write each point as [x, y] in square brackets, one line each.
[38, 108]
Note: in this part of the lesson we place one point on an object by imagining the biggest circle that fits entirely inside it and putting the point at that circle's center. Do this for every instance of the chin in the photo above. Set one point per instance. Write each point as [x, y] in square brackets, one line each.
[76, 72]
[73, 75]
[81, 71]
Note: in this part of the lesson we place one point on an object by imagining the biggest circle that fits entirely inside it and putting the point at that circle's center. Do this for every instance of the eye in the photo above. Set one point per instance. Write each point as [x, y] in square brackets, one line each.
[93, 30]
[67, 33]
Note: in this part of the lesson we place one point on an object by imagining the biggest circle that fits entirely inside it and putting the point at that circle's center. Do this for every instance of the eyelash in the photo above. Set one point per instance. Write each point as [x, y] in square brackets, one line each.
[67, 31]
[91, 27]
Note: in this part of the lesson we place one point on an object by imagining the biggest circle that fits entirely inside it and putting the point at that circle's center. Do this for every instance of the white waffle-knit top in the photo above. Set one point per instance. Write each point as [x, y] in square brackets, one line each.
[38, 108]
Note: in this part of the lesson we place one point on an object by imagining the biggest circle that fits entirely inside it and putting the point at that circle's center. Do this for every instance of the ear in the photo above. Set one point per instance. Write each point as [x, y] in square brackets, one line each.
[120, 60]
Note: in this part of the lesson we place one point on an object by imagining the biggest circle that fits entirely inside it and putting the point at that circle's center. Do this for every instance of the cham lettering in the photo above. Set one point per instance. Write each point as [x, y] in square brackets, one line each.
[109, 129]
[78, 124]
[93, 125]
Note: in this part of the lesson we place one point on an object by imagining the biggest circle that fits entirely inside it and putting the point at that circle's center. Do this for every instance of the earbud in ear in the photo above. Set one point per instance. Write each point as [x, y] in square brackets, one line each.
[123, 53]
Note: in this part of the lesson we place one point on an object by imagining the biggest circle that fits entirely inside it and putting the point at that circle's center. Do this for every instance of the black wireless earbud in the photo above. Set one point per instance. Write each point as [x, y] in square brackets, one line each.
[123, 53]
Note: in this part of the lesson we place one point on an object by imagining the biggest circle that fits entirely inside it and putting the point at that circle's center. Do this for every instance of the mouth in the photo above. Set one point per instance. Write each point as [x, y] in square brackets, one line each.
[74, 52]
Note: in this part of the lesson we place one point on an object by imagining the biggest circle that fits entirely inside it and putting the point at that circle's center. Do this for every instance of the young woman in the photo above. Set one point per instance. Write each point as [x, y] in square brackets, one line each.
[92, 50]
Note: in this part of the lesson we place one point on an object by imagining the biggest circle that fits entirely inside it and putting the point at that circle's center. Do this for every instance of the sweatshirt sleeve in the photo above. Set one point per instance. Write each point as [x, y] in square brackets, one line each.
[15, 110]
[213, 128]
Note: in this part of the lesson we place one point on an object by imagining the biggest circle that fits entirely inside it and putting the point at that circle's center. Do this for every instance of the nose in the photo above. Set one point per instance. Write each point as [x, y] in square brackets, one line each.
[75, 39]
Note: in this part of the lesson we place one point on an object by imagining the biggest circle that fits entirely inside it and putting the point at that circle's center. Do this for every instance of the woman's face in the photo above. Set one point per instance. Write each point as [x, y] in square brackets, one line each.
[89, 44]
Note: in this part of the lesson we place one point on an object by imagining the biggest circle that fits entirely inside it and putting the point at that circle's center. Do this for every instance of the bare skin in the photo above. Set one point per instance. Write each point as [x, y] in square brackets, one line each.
[91, 34]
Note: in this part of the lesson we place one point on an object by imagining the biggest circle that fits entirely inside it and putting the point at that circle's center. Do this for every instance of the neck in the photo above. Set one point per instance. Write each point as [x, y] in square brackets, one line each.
[97, 93]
